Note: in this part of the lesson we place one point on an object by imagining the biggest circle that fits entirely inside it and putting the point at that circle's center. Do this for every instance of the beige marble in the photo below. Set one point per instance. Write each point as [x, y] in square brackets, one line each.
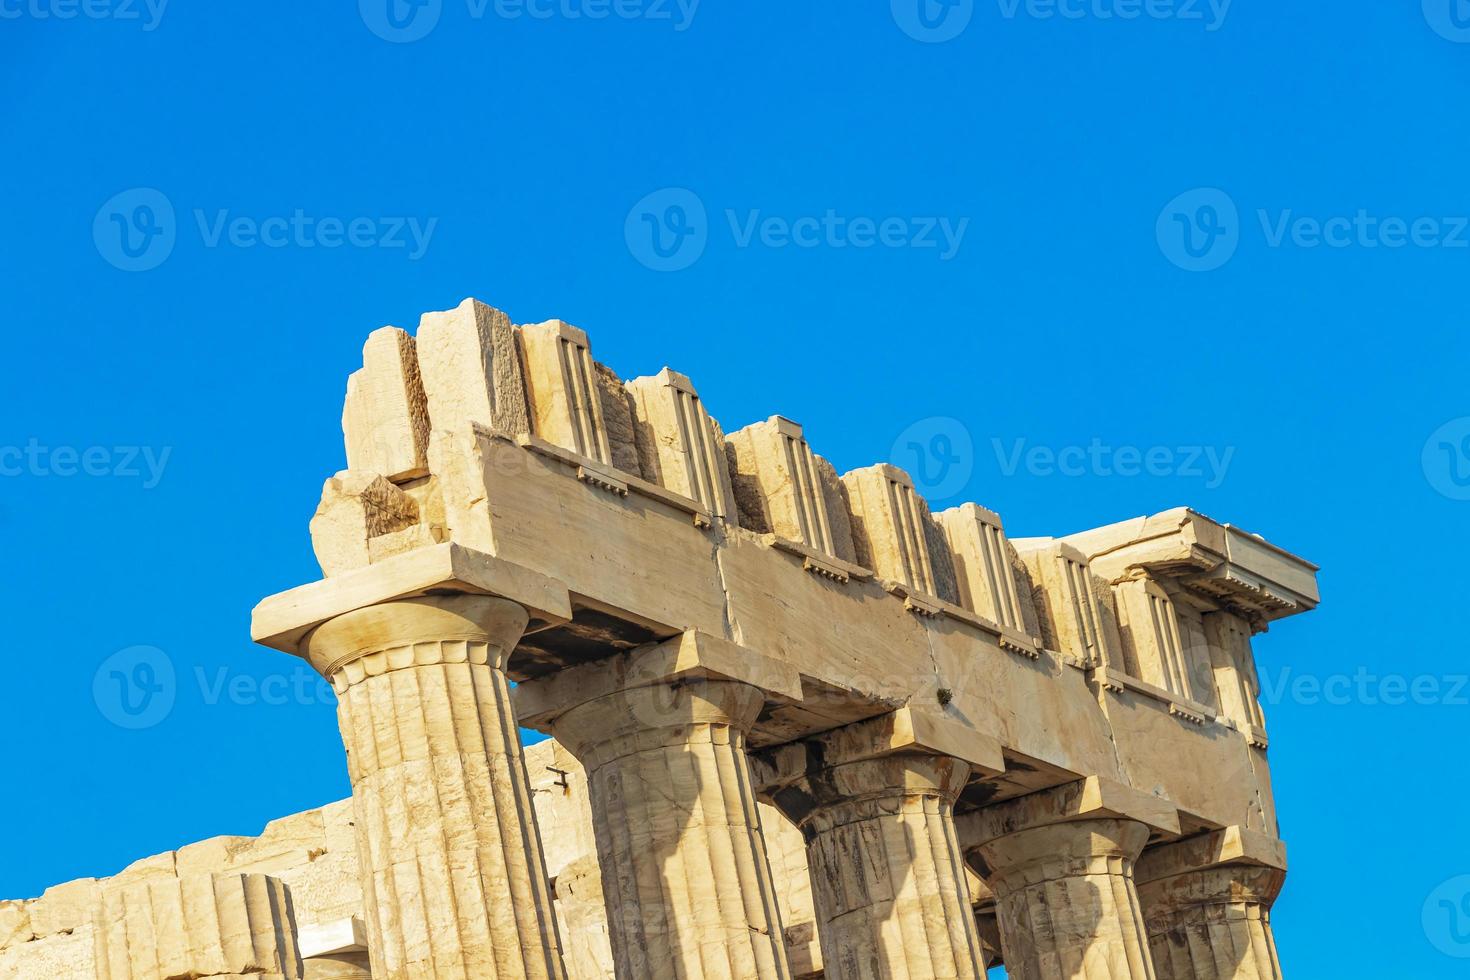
[680, 445]
[778, 484]
[1061, 866]
[618, 548]
[385, 420]
[1207, 906]
[1066, 902]
[565, 397]
[983, 572]
[875, 802]
[203, 926]
[454, 884]
[685, 875]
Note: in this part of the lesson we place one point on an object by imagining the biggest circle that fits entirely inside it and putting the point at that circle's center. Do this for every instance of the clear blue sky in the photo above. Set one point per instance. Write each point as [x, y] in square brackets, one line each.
[1074, 309]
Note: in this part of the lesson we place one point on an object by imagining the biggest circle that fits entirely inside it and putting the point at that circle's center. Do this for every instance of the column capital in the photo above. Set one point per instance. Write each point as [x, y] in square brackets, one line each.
[1093, 798]
[452, 874]
[905, 733]
[419, 632]
[1207, 905]
[1216, 849]
[875, 801]
[690, 656]
[661, 733]
[283, 620]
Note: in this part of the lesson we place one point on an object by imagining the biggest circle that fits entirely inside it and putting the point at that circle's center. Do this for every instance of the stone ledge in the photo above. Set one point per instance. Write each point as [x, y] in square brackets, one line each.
[690, 655]
[1093, 798]
[905, 731]
[1232, 845]
[331, 938]
[606, 478]
[282, 620]
[1182, 708]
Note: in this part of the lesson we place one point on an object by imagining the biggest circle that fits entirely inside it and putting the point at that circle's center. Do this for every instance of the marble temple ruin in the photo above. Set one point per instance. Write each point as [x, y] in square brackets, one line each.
[801, 725]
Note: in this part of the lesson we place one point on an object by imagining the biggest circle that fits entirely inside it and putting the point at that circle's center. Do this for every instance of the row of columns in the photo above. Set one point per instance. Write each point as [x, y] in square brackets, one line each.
[455, 884]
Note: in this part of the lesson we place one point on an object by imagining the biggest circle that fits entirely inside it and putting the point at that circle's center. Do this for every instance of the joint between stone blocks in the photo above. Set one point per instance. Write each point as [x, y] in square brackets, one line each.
[691, 655]
[1216, 849]
[903, 732]
[1092, 798]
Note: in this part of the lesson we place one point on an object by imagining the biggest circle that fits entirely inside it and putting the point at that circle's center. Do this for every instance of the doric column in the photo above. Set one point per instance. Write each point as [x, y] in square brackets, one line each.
[453, 878]
[1060, 863]
[875, 802]
[205, 926]
[1207, 905]
[661, 733]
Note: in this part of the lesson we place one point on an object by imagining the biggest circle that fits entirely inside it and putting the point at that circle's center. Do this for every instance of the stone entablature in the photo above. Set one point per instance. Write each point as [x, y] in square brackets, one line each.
[674, 603]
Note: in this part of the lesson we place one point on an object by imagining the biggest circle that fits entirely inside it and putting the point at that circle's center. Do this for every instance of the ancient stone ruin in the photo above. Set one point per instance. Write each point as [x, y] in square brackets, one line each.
[802, 725]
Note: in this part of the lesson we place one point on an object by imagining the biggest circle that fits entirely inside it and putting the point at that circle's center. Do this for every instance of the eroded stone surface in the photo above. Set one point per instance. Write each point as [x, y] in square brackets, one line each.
[1091, 683]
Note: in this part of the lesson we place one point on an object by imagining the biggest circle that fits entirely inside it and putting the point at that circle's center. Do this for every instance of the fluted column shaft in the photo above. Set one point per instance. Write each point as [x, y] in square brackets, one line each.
[454, 881]
[200, 925]
[1066, 900]
[888, 879]
[684, 870]
[1213, 924]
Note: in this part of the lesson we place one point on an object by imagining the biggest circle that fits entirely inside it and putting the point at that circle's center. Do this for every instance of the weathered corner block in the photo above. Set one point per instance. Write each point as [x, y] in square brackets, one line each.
[804, 726]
